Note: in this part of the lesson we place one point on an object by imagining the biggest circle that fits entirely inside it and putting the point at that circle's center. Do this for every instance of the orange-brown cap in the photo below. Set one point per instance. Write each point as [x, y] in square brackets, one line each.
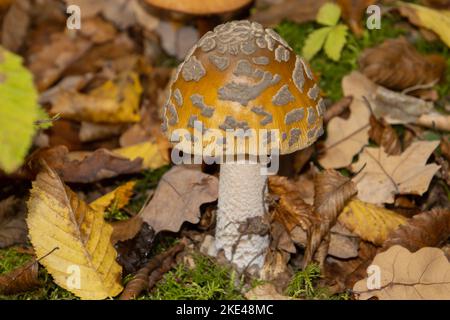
[244, 76]
[200, 7]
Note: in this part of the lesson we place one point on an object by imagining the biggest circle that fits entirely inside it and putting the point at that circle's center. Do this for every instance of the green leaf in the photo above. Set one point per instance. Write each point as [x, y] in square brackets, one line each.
[329, 14]
[336, 41]
[18, 110]
[315, 42]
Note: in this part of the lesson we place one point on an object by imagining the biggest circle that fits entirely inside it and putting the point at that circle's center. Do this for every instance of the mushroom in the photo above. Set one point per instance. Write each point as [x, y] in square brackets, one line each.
[242, 76]
[199, 7]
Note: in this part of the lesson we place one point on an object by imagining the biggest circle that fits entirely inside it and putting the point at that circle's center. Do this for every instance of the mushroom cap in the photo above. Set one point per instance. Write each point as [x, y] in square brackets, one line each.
[200, 7]
[244, 76]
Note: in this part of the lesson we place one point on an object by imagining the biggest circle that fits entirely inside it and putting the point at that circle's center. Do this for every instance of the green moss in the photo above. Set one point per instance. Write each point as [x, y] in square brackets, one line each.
[331, 73]
[10, 259]
[206, 281]
[304, 285]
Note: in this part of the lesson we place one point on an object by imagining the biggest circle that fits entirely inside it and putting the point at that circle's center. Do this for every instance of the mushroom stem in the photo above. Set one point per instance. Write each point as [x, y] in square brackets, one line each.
[240, 217]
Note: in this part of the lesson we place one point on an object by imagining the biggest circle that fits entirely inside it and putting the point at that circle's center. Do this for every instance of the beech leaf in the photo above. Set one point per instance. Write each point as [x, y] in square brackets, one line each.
[57, 218]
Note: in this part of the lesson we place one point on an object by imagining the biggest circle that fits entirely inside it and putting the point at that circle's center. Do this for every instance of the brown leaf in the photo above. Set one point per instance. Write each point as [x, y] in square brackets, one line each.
[95, 166]
[299, 11]
[397, 65]
[381, 176]
[291, 210]
[385, 136]
[15, 25]
[126, 229]
[50, 62]
[353, 12]
[424, 274]
[427, 229]
[445, 147]
[13, 229]
[19, 280]
[337, 108]
[178, 197]
[332, 191]
[265, 291]
[441, 4]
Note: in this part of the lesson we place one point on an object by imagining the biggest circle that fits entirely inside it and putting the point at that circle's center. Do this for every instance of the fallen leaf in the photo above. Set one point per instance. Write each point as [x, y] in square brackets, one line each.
[381, 176]
[435, 20]
[332, 191]
[113, 102]
[15, 25]
[423, 275]
[337, 109]
[153, 155]
[13, 229]
[119, 197]
[346, 137]
[397, 65]
[385, 136]
[19, 110]
[276, 269]
[265, 291]
[22, 279]
[48, 63]
[126, 229]
[97, 30]
[370, 222]
[94, 131]
[178, 197]
[57, 218]
[353, 11]
[299, 11]
[427, 229]
[81, 168]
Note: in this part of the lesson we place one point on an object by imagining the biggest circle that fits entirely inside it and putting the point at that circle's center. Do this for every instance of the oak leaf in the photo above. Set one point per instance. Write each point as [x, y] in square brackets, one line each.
[57, 218]
[370, 222]
[426, 229]
[178, 197]
[346, 137]
[381, 176]
[424, 274]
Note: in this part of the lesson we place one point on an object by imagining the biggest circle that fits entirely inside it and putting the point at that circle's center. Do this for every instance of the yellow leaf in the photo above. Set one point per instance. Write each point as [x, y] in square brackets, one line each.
[120, 196]
[436, 20]
[72, 240]
[153, 157]
[370, 222]
[116, 101]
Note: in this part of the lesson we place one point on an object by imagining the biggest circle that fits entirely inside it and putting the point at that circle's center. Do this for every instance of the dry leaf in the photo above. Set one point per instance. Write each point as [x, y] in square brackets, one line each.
[385, 136]
[22, 279]
[57, 218]
[178, 197]
[427, 229]
[265, 291]
[153, 155]
[346, 137]
[423, 275]
[337, 109]
[436, 20]
[119, 197]
[116, 101]
[353, 11]
[85, 168]
[15, 25]
[126, 229]
[13, 229]
[98, 131]
[397, 65]
[370, 222]
[383, 176]
[332, 191]
[48, 63]
[299, 11]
